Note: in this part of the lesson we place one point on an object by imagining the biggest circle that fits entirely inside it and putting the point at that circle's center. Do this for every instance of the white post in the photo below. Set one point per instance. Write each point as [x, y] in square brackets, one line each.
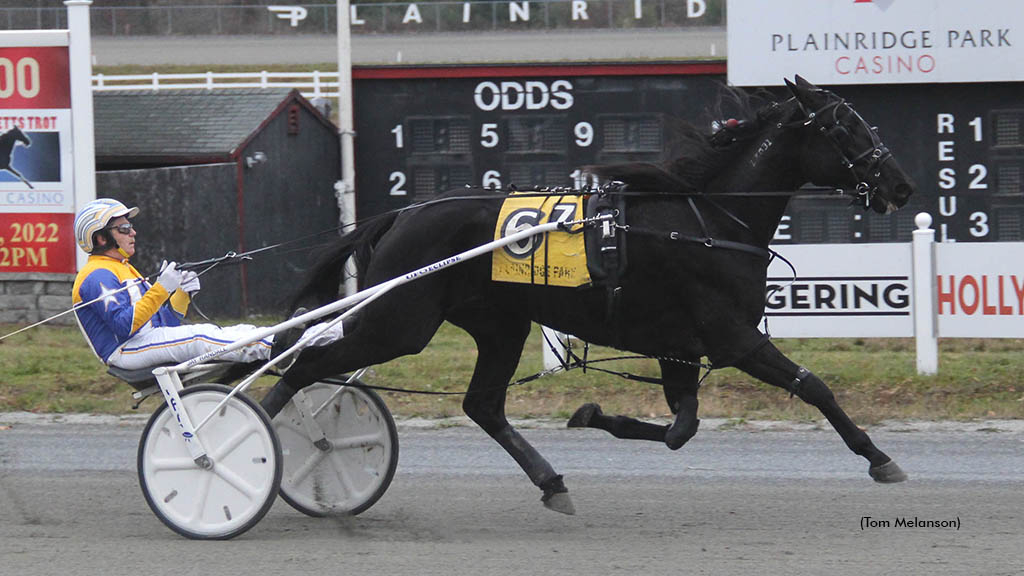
[82, 137]
[558, 341]
[925, 319]
[347, 190]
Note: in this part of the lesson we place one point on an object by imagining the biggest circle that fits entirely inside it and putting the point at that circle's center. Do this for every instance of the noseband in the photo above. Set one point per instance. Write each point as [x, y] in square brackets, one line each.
[869, 162]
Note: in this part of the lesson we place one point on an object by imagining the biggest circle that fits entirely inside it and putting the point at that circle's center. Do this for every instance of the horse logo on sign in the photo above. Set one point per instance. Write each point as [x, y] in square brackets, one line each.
[8, 140]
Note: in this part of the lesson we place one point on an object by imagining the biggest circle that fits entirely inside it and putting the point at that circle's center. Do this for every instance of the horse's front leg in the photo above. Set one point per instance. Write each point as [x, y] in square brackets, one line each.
[771, 366]
[680, 387]
[500, 341]
[681, 384]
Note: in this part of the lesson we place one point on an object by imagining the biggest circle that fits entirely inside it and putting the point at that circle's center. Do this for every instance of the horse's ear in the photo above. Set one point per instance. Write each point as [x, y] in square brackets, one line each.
[804, 83]
[803, 91]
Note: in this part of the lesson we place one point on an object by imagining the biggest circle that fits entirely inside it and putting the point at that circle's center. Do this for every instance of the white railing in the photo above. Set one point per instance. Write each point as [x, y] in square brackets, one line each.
[315, 84]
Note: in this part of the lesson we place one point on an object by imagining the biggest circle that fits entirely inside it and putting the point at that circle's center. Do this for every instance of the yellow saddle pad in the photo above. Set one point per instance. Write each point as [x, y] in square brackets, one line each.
[552, 259]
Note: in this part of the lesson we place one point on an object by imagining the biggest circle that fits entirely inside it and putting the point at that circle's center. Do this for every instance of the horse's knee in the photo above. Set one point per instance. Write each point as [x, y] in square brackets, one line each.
[810, 388]
[481, 413]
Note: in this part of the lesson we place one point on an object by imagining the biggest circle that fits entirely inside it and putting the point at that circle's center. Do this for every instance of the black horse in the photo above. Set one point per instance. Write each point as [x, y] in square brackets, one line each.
[694, 286]
[7, 142]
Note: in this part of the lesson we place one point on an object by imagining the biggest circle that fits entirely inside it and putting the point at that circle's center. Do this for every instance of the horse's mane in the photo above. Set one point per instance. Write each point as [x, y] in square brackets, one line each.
[695, 156]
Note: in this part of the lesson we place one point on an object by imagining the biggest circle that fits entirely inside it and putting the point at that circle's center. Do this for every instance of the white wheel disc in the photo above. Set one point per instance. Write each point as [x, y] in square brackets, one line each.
[359, 461]
[236, 492]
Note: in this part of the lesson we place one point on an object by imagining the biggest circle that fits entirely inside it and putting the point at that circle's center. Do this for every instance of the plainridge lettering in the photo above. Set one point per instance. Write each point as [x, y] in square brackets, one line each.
[889, 52]
[831, 41]
[886, 40]
[514, 11]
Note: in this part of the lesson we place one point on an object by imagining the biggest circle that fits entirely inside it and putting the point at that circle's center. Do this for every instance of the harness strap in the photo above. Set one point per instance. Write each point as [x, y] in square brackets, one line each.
[700, 217]
[707, 241]
[734, 218]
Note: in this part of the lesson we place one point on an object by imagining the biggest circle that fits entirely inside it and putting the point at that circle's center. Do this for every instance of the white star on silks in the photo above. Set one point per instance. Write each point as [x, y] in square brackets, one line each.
[109, 296]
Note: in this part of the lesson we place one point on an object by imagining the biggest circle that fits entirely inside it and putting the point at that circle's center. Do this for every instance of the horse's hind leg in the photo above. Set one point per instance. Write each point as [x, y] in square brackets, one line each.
[499, 339]
[680, 386]
[771, 366]
[399, 323]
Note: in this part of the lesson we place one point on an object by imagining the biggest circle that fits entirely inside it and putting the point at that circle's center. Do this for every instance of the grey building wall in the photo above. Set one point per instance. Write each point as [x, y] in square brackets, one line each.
[197, 212]
[289, 197]
[186, 213]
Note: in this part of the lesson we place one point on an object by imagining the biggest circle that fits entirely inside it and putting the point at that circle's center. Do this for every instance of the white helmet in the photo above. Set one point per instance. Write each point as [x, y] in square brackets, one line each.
[95, 216]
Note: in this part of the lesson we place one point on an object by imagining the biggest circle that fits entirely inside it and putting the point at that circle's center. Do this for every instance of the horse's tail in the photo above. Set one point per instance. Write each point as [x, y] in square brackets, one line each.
[325, 277]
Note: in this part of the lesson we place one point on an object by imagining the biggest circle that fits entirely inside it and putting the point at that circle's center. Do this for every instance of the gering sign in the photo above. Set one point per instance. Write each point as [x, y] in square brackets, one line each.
[841, 290]
[875, 41]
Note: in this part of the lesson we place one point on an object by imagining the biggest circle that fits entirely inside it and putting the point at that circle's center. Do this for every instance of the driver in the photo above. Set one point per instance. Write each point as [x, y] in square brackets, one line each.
[132, 324]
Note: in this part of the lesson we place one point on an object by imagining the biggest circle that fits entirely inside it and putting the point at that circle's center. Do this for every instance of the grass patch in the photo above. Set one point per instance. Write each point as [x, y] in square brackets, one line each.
[51, 369]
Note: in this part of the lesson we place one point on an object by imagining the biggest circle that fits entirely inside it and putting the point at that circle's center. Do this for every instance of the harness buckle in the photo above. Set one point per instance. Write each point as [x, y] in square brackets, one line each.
[607, 229]
[794, 386]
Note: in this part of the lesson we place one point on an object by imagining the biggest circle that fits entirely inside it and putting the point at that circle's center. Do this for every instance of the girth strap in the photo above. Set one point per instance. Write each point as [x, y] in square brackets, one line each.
[606, 253]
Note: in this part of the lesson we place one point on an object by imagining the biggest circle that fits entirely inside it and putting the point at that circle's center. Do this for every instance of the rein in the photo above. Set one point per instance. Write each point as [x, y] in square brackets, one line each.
[571, 361]
[874, 157]
[537, 192]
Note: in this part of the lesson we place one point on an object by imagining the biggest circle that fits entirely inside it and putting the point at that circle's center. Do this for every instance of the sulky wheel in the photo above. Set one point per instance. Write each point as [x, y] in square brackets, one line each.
[236, 491]
[340, 449]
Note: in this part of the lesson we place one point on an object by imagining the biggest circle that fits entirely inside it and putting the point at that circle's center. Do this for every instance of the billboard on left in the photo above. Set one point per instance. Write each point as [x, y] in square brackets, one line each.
[37, 200]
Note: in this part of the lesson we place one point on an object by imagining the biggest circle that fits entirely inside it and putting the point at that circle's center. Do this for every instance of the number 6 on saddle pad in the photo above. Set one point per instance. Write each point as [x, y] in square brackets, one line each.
[558, 258]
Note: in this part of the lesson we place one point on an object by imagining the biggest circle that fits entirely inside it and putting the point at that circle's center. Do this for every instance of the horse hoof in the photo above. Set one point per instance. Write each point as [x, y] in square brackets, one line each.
[676, 436]
[559, 502]
[583, 415]
[888, 473]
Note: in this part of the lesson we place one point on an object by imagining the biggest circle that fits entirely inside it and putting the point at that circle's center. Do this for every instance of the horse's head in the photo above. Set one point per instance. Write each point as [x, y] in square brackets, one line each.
[20, 136]
[841, 149]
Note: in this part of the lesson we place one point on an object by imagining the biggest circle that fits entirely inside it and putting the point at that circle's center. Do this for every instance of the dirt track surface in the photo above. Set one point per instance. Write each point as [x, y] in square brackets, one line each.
[731, 502]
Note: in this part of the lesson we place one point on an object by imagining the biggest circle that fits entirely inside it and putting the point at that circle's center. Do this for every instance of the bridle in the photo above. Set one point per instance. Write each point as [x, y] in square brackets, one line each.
[864, 166]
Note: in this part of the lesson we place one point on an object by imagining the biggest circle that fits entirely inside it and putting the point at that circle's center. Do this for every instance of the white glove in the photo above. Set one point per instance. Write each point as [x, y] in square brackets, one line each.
[189, 282]
[170, 276]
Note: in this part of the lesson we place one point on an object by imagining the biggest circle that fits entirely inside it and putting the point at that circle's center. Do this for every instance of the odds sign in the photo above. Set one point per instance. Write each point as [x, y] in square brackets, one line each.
[36, 194]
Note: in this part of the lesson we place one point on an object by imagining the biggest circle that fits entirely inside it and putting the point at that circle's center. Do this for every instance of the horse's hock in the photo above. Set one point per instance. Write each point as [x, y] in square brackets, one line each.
[31, 297]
